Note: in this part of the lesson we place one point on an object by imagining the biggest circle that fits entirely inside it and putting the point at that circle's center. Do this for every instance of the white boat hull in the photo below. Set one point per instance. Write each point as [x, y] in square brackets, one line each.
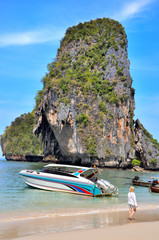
[71, 179]
[58, 184]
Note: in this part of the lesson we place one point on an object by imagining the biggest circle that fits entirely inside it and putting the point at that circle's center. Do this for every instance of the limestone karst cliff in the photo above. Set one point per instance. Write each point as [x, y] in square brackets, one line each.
[85, 110]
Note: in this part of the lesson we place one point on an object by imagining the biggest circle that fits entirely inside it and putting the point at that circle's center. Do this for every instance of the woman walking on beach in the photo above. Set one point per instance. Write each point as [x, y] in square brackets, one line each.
[132, 202]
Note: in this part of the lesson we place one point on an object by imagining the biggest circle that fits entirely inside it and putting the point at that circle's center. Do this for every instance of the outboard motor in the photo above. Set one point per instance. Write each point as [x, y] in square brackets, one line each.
[106, 187]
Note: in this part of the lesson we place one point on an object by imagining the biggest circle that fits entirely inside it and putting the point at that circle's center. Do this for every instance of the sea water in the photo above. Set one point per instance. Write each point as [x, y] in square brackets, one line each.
[20, 203]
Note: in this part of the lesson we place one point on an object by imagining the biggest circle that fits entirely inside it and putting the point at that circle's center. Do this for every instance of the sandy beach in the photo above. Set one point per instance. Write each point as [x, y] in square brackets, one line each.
[131, 231]
[113, 225]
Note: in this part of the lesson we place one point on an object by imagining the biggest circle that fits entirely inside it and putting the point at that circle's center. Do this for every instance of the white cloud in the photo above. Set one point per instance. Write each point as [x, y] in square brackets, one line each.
[131, 9]
[30, 37]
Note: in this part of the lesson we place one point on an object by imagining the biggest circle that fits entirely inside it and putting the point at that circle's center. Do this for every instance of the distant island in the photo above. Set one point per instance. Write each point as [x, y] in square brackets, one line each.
[84, 114]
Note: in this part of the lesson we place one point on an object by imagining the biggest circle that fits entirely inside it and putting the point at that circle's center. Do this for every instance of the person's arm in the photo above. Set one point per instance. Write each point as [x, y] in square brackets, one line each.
[135, 202]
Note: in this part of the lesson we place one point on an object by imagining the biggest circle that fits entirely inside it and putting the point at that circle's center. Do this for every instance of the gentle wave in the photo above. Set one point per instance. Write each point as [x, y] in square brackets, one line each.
[76, 212]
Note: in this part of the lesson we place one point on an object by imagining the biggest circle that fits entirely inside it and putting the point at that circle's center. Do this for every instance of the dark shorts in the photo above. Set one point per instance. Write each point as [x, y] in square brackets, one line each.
[131, 206]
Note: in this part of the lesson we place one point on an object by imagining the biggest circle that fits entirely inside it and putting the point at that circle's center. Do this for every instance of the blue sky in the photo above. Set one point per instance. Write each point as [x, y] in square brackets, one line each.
[30, 34]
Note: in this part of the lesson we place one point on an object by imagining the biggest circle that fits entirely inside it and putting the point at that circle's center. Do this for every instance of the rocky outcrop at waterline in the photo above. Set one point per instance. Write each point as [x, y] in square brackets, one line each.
[84, 113]
[24, 158]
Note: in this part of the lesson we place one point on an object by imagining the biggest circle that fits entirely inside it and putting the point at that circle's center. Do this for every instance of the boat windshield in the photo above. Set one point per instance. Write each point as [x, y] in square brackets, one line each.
[90, 173]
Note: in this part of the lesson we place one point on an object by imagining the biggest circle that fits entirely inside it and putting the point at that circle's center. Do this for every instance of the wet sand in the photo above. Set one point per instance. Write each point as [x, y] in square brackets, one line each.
[89, 226]
[145, 231]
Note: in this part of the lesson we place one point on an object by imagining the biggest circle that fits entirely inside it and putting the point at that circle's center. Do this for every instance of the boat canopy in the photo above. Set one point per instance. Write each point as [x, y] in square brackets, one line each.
[74, 170]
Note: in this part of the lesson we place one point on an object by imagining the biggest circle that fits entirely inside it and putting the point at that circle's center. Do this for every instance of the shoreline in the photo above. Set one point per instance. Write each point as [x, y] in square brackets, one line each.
[133, 169]
[142, 230]
[109, 212]
[79, 224]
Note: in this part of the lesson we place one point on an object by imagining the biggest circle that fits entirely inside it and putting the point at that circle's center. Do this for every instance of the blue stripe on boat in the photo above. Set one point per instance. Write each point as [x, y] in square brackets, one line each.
[81, 185]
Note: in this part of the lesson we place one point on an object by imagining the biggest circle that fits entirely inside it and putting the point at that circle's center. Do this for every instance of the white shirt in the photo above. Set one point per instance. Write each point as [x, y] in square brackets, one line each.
[132, 199]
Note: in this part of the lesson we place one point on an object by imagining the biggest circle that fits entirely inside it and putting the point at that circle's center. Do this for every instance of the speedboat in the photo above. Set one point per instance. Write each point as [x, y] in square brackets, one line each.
[70, 179]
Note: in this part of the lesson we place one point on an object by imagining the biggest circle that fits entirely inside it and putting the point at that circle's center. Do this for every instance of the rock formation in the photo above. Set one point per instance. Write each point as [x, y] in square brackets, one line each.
[85, 110]
[146, 148]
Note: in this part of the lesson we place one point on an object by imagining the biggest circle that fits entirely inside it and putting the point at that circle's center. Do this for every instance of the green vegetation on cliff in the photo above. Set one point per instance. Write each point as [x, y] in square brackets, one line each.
[83, 64]
[150, 137]
[18, 138]
[93, 30]
[87, 56]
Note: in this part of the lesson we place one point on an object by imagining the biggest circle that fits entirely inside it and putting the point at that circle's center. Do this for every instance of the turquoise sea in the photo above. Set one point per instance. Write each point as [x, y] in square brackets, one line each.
[21, 205]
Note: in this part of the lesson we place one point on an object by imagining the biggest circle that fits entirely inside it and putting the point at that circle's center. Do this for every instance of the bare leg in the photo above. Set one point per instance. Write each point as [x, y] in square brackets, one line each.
[130, 213]
[134, 211]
